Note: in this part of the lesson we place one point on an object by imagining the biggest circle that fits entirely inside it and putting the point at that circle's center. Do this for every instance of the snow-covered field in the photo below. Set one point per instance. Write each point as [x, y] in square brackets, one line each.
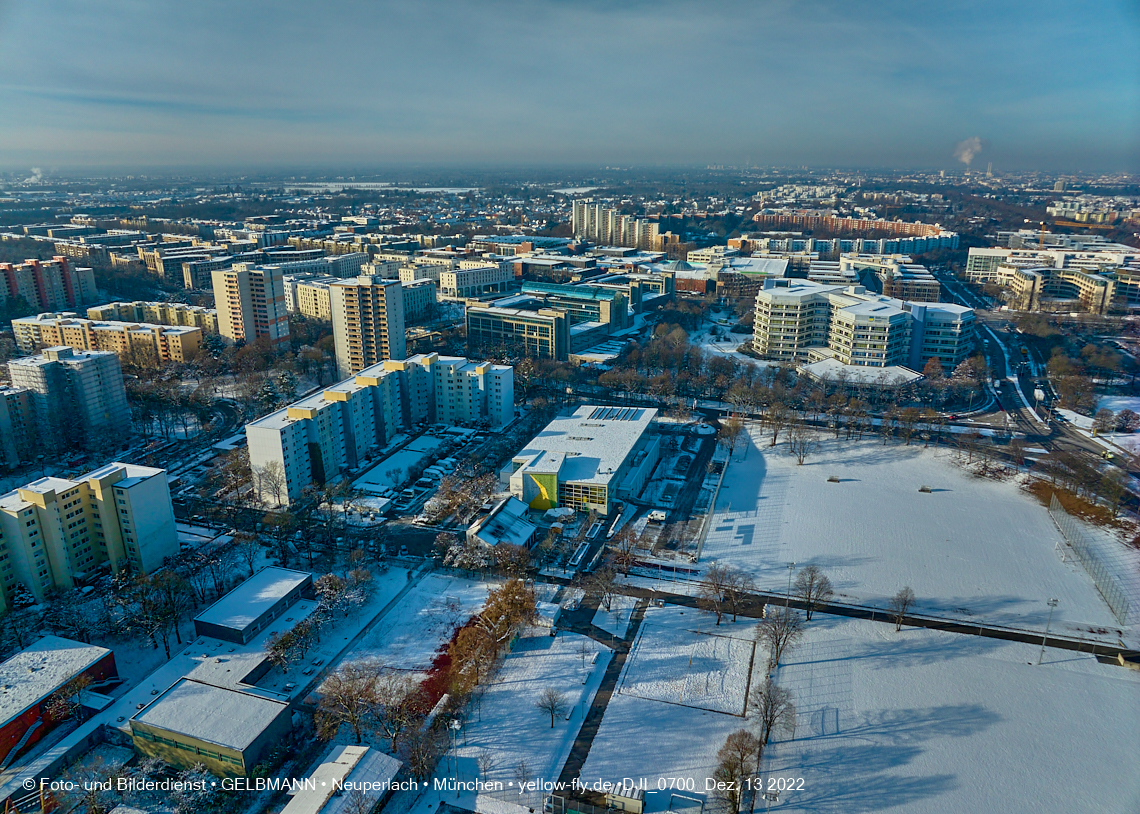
[933, 722]
[918, 721]
[615, 621]
[682, 657]
[973, 547]
[509, 725]
[425, 618]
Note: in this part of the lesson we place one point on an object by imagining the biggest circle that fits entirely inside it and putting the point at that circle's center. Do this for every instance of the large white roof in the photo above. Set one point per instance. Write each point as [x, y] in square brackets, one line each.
[590, 445]
[212, 714]
[241, 606]
[39, 670]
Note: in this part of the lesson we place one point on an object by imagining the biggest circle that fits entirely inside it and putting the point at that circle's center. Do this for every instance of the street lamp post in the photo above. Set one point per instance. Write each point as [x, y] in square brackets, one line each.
[1052, 604]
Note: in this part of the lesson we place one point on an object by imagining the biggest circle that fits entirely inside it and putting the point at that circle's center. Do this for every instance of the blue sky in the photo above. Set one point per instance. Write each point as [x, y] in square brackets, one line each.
[1047, 85]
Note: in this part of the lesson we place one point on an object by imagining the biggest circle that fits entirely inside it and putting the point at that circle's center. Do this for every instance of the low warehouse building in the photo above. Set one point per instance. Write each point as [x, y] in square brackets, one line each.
[227, 731]
[247, 609]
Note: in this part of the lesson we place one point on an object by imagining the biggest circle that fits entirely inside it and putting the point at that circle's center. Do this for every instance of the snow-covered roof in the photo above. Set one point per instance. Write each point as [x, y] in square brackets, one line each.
[212, 714]
[834, 370]
[342, 766]
[506, 524]
[37, 671]
[248, 601]
[588, 446]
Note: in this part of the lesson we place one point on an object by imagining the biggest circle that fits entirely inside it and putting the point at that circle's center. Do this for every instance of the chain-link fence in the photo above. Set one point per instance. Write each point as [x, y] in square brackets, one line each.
[1078, 539]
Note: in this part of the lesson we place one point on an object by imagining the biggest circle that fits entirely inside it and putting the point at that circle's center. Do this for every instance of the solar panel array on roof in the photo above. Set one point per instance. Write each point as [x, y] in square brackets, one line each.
[614, 413]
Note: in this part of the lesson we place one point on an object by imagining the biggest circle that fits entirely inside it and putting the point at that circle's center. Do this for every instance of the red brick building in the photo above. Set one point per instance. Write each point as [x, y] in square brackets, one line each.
[29, 678]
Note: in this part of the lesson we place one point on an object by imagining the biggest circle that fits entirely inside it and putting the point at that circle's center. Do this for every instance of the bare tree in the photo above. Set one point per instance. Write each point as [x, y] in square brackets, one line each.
[395, 700]
[737, 586]
[772, 711]
[603, 584]
[358, 802]
[900, 605]
[64, 703]
[712, 589]
[776, 418]
[624, 546]
[730, 432]
[735, 762]
[802, 442]
[486, 761]
[779, 630]
[348, 696]
[522, 773]
[248, 549]
[270, 483]
[813, 588]
[552, 702]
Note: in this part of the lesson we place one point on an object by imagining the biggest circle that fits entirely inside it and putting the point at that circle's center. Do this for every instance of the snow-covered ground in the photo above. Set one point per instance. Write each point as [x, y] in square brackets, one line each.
[615, 621]
[507, 722]
[425, 618]
[918, 721]
[933, 722]
[973, 547]
[683, 657]
[508, 726]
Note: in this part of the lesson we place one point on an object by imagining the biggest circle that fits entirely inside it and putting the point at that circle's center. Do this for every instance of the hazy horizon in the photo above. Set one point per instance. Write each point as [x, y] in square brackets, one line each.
[347, 87]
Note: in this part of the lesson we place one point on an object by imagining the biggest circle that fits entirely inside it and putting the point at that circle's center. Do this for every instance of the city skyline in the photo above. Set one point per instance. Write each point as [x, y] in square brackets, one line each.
[818, 83]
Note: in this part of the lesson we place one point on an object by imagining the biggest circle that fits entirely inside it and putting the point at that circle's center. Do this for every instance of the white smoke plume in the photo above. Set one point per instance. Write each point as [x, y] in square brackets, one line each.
[966, 150]
[37, 176]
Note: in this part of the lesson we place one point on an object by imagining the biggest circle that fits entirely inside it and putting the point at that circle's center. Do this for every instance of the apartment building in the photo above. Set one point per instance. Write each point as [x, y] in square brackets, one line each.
[158, 313]
[61, 533]
[799, 320]
[608, 227]
[475, 281]
[332, 432]
[47, 285]
[251, 303]
[543, 332]
[368, 322]
[78, 396]
[419, 300]
[307, 293]
[17, 426]
[893, 276]
[139, 342]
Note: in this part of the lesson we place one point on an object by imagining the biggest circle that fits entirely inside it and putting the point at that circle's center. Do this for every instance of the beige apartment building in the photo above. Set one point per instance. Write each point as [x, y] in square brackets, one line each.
[139, 342]
[61, 533]
[368, 322]
[251, 303]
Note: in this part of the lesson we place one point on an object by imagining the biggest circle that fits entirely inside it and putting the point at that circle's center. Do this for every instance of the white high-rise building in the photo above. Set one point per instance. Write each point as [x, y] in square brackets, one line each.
[330, 433]
[368, 322]
[78, 396]
[251, 303]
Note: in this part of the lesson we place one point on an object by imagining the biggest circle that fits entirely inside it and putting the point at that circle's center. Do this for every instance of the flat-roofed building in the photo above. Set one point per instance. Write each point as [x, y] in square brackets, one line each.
[348, 780]
[327, 434]
[17, 426]
[227, 731]
[803, 320]
[251, 304]
[475, 281]
[368, 322]
[142, 343]
[246, 610]
[159, 313]
[46, 285]
[78, 396]
[543, 332]
[32, 676]
[584, 460]
[61, 533]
